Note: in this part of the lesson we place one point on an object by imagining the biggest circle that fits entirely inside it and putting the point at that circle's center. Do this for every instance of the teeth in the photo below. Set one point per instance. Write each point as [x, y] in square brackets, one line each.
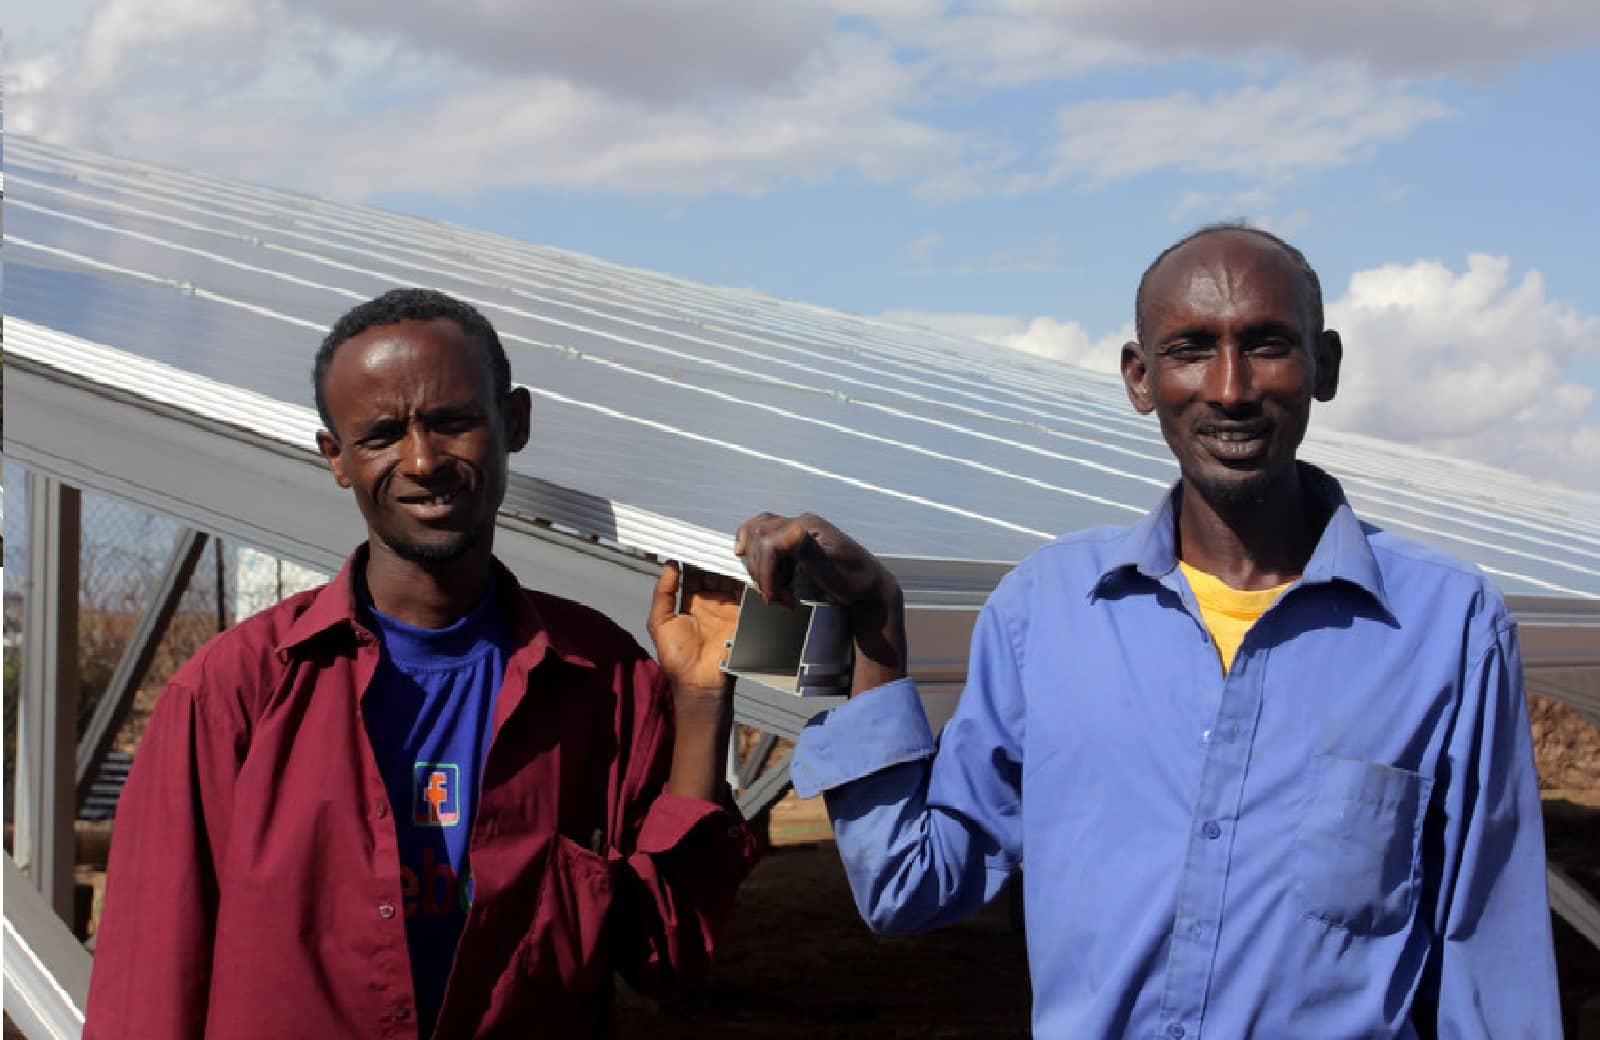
[1234, 435]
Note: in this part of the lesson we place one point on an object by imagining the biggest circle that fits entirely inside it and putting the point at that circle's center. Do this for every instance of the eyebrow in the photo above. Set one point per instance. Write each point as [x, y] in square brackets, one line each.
[1273, 327]
[443, 413]
[459, 410]
[1206, 333]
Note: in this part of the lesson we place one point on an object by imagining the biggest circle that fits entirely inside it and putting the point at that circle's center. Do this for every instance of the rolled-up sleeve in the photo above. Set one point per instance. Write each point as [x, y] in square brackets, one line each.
[927, 832]
[679, 860]
[879, 728]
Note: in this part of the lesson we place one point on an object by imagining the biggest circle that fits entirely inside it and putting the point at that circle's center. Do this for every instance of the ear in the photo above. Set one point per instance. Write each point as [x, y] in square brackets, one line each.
[1330, 353]
[518, 416]
[328, 446]
[1136, 377]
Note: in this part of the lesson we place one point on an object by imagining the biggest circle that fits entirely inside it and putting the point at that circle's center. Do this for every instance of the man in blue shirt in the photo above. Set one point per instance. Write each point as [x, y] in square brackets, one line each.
[1329, 827]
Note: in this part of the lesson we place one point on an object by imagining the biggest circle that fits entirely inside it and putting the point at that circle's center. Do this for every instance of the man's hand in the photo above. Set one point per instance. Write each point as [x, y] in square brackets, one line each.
[774, 547]
[690, 645]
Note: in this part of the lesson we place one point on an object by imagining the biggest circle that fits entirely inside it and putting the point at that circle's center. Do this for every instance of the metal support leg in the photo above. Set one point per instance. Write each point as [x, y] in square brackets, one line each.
[752, 766]
[49, 699]
[118, 697]
[1574, 905]
[765, 792]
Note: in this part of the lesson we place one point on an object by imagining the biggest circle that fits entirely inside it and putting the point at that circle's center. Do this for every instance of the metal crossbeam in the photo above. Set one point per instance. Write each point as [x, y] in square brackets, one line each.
[112, 709]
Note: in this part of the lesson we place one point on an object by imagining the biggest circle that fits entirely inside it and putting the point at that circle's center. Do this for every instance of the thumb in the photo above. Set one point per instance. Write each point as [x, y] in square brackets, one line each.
[664, 600]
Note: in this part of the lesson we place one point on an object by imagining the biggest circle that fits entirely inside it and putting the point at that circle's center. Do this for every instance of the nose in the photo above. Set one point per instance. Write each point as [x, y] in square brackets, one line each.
[1228, 382]
[421, 457]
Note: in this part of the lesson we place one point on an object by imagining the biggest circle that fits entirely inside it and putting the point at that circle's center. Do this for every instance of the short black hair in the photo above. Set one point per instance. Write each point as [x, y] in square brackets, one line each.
[1307, 272]
[399, 305]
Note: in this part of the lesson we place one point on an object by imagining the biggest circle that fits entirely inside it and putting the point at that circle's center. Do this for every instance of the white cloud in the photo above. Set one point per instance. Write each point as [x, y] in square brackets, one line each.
[840, 116]
[357, 97]
[1010, 42]
[1393, 39]
[1318, 119]
[1472, 363]
[417, 108]
[639, 49]
[985, 45]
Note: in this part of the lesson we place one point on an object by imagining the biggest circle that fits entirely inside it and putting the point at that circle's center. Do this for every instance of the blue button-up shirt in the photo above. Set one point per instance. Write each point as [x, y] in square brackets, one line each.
[1339, 838]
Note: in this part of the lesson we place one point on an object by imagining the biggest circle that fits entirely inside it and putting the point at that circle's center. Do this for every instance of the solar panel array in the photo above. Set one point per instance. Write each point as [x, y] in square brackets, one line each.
[700, 403]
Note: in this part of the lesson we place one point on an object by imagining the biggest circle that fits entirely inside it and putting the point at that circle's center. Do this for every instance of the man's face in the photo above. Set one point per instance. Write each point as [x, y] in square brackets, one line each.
[1230, 362]
[421, 437]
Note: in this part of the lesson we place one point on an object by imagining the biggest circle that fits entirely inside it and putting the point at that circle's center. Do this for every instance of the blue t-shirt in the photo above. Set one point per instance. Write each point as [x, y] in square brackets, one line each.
[430, 716]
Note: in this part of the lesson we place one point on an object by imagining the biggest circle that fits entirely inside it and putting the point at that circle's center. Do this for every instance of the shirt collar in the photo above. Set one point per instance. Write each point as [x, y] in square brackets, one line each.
[534, 632]
[1342, 553]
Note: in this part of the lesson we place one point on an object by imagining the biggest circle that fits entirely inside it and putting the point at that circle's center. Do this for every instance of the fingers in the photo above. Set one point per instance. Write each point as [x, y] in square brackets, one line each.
[709, 595]
[696, 582]
[763, 543]
[841, 568]
[664, 600]
[773, 546]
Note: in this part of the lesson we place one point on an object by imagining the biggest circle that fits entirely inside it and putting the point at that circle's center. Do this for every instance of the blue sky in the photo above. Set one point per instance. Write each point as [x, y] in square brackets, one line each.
[1003, 168]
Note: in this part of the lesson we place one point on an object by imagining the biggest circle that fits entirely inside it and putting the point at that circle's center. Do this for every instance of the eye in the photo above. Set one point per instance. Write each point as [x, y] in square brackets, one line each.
[1186, 349]
[1272, 346]
[378, 437]
[457, 423]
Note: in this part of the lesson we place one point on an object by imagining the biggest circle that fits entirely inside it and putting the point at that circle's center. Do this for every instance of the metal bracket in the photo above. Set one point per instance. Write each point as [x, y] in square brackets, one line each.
[806, 651]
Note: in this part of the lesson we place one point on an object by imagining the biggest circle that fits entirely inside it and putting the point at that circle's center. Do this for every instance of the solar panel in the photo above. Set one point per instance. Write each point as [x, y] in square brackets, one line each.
[697, 403]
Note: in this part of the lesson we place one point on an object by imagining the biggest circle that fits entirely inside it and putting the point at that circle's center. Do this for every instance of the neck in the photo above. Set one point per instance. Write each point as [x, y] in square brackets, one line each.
[1258, 543]
[427, 594]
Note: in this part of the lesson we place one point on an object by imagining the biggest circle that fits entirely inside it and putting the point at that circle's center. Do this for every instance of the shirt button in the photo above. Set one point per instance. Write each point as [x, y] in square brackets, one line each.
[386, 910]
[382, 809]
[401, 1013]
[1176, 1031]
[1211, 830]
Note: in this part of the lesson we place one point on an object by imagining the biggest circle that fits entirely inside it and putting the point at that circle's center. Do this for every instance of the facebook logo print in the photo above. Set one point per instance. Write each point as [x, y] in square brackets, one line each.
[436, 802]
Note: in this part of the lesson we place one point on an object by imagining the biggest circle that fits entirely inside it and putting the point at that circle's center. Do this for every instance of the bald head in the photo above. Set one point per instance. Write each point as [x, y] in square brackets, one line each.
[1249, 236]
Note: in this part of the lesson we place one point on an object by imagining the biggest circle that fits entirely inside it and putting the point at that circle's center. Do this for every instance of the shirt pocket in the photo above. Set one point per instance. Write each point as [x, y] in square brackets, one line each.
[578, 899]
[1357, 847]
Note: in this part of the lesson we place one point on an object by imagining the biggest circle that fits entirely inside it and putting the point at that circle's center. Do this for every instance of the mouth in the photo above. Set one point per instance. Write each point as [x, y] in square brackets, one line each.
[1236, 442]
[432, 506]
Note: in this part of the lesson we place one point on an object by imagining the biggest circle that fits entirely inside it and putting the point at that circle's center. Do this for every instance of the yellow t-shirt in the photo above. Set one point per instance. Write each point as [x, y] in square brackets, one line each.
[1228, 612]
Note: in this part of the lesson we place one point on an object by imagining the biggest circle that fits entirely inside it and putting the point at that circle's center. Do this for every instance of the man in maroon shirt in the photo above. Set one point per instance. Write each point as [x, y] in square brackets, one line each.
[255, 887]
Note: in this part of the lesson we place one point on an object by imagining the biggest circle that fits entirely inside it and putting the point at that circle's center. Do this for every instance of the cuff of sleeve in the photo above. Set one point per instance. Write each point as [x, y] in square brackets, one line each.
[671, 817]
[882, 727]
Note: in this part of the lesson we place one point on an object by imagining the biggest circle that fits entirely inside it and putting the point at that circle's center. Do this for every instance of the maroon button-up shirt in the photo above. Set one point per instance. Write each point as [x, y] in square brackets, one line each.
[255, 886]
